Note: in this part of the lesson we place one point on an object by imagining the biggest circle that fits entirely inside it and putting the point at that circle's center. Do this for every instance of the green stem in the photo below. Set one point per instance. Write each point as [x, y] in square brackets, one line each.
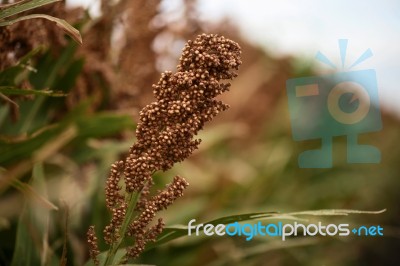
[128, 217]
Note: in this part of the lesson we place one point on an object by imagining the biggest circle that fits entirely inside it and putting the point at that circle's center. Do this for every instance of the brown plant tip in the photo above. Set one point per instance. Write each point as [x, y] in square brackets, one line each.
[113, 196]
[173, 191]
[185, 101]
[92, 242]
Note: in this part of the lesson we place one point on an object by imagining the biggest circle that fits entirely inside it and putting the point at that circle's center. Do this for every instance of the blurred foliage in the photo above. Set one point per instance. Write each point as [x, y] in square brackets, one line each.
[55, 157]
[13, 12]
[64, 145]
[47, 152]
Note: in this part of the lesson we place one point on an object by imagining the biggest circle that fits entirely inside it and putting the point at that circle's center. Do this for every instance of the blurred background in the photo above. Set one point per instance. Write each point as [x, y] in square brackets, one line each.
[55, 152]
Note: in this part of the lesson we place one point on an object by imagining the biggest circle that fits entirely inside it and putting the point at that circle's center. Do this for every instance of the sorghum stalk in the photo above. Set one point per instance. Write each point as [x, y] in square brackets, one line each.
[165, 136]
[128, 217]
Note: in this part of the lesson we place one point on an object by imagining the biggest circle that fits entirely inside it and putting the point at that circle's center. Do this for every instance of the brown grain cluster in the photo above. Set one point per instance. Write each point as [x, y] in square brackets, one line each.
[92, 242]
[165, 135]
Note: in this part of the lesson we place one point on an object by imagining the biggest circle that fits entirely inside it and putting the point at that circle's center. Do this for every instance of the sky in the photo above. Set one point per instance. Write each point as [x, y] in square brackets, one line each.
[302, 28]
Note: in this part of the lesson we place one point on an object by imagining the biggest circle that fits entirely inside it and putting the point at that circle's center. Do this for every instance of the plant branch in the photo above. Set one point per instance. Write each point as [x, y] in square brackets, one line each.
[128, 217]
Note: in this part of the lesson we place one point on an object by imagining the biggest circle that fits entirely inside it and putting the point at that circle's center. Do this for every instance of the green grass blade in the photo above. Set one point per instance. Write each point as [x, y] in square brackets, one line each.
[25, 251]
[9, 90]
[31, 194]
[22, 6]
[65, 26]
[334, 212]
[34, 226]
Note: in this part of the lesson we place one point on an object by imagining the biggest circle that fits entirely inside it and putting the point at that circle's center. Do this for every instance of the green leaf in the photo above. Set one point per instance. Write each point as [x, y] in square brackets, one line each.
[103, 124]
[49, 67]
[24, 148]
[32, 245]
[67, 80]
[65, 26]
[99, 125]
[31, 193]
[48, 71]
[22, 6]
[25, 251]
[8, 90]
[334, 212]
[49, 148]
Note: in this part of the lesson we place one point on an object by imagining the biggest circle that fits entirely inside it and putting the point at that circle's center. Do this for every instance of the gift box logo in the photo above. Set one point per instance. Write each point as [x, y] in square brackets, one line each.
[339, 104]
